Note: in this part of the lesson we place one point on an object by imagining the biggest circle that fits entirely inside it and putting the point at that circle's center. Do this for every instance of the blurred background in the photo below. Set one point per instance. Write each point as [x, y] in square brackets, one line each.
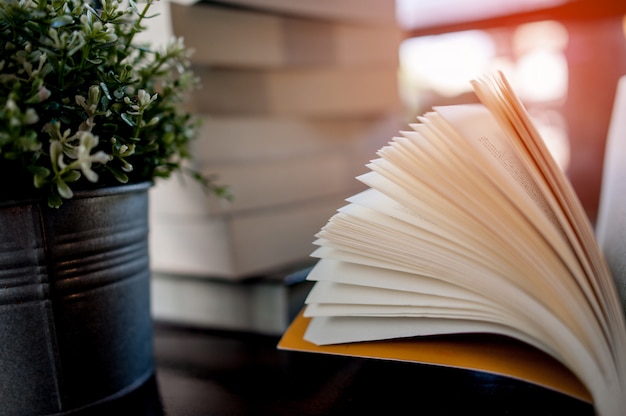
[298, 95]
[563, 57]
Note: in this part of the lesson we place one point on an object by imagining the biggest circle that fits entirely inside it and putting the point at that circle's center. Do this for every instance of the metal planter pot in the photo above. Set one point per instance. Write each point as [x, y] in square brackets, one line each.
[75, 323]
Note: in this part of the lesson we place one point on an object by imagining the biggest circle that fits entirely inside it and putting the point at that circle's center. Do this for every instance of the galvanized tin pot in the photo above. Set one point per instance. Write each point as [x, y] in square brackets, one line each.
[75, 323]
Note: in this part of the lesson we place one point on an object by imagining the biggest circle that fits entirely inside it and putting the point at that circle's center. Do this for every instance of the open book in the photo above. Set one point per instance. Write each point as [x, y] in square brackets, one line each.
[470, 227]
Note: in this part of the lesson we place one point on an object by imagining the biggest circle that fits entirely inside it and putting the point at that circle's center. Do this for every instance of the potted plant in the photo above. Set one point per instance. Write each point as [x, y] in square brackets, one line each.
[88, 120]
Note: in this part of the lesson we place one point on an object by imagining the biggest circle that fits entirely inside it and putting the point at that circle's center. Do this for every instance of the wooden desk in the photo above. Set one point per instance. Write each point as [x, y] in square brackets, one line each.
[218, 373]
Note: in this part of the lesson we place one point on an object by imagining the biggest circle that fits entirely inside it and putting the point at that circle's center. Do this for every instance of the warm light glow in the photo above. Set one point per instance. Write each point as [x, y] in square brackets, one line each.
[548, 35]
[541, 64]
[426, 13]
[532, 58]
[445, 63]
[542, 76]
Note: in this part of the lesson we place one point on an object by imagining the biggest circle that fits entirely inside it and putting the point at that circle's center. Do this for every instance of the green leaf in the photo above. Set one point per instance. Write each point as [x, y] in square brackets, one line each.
[118, 174]
[105, 89]
[61, 21]
[72, 176]
[127, 119]
[63, 189]
[54, 201]
[40, 176]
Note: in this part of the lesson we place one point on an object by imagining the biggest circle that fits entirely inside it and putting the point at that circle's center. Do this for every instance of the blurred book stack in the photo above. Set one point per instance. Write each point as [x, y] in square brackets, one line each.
[296, 97]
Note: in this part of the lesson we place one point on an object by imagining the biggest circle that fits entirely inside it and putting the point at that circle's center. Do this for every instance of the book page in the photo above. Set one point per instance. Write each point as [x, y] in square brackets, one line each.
[471, 200]
[354, 273]
[478, 228]
[611, 223]
[485, 141]
[497, 95]
[487, 146]
[328, 298]
[519, 316]
[343, 329]
[457, 252]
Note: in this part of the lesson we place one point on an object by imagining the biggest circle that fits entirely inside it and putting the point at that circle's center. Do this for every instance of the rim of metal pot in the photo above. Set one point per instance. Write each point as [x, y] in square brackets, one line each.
[84, 193]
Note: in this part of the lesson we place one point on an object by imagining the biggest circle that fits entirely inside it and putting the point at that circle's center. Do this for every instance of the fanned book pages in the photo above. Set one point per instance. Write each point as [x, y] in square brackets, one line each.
[468, 226]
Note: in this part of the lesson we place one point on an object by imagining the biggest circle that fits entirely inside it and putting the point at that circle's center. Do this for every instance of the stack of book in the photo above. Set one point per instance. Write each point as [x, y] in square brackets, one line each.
[296, 96]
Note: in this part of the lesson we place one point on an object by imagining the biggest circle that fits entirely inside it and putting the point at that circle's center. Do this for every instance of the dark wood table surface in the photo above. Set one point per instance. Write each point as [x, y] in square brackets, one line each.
[202, 372]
